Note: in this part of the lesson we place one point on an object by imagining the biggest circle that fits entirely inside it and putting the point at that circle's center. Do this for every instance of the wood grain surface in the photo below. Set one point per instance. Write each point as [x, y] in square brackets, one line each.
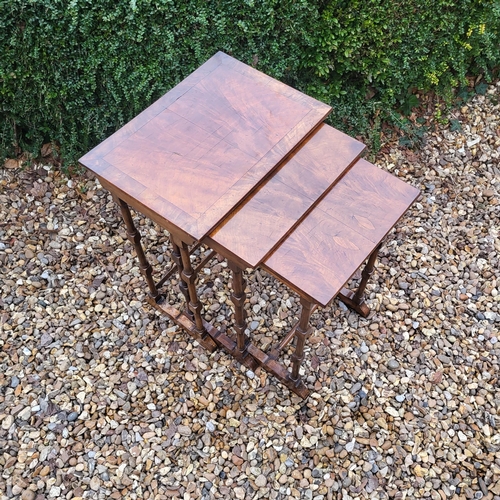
[265, 218]
[193, 155]
[332, 242]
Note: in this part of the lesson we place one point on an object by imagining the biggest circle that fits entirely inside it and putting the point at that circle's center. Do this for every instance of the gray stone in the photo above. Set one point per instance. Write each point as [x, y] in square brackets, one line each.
[46, 340]
[444, 359]
[355, 388]
[261, 481]
[393, 364]
[317, 473]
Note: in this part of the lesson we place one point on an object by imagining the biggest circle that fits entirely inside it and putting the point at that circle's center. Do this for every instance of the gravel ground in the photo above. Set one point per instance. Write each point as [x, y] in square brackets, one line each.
[100, 397]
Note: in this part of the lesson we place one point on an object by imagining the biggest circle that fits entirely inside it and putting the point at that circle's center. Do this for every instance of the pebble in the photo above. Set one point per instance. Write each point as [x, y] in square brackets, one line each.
[239, 493]
[25, 414]
[355, 388]
[393, 364]
[95, 483]
[7, 422]
[92, 392]
[55, 492]
[45, 340]
[444, 359]
[45, 470]
[350, 445]
[261, 481]
[316, 473]
[28, 495]
[184, 430]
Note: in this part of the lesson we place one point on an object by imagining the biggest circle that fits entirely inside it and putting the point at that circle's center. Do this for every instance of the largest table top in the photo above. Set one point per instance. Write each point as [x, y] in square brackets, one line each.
[198, 151]
[238, 160]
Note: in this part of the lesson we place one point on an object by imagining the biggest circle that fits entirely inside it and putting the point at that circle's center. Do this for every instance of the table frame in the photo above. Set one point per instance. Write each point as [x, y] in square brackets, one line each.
[236, 161]
[240, 348]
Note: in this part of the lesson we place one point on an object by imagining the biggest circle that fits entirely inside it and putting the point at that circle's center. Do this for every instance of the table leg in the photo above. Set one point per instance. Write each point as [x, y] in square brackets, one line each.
[238, 298]
[189, 277]
[135, 238]
[355, 300]
[176, 256]
[274, 352]
[302, 332]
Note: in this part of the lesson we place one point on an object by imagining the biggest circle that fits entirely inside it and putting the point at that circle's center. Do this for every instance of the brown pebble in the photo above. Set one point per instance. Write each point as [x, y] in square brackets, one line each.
[45, 471]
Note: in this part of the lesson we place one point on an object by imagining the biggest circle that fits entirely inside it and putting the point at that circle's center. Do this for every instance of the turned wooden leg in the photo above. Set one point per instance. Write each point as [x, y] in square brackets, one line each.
[302, 332]
[135, 238]
[355, 300]
[365, 276]
[238, 298]
[189, 277]
[176, 256]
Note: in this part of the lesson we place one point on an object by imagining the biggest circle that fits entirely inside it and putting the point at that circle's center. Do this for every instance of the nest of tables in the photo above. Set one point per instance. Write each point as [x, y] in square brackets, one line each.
[239, 162]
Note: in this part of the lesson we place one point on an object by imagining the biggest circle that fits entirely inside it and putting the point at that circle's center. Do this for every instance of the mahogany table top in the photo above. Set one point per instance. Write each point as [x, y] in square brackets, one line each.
[332, 242]
[193, 155]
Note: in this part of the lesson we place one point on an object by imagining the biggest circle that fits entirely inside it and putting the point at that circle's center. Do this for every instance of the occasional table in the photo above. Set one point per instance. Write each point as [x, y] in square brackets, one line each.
[239, 162]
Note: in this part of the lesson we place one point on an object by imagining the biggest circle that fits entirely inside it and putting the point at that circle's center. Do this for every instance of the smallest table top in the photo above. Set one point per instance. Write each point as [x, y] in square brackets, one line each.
[332, 242]
[193, 155]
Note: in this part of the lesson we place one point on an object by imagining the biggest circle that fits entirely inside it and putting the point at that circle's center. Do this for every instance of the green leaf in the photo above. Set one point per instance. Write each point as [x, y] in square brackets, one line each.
[481, 88]
[410, 102]
[455, 125]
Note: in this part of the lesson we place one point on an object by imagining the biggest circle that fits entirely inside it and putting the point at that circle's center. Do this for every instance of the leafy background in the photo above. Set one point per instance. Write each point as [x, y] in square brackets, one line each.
[73, 72]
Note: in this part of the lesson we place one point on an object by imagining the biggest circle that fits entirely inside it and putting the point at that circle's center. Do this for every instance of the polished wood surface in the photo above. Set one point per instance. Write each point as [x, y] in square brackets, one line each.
[325, 250]
[251, 233]
[197, 152]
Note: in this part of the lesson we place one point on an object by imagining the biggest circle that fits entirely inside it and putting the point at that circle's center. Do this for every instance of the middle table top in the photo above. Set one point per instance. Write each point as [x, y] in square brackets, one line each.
[198, 151]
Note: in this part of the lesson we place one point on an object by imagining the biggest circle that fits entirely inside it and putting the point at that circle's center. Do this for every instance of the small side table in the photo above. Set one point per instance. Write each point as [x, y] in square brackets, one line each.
[237, 161]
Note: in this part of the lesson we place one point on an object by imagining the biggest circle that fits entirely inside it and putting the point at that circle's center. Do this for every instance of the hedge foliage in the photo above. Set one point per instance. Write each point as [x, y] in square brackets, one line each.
[73, 71]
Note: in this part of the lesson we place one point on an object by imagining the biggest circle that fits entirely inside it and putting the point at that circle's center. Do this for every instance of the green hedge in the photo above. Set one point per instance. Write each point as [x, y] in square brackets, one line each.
[74, 71]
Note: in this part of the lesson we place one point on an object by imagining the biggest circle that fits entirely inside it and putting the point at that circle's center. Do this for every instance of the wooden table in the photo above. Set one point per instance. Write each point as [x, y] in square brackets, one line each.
[235, 160]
